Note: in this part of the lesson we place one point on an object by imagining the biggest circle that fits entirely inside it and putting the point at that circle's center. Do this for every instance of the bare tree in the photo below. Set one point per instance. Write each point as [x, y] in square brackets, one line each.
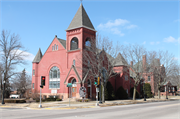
[176, 75]
[98, 60]
[22, 82]
[133, 54]
[11, 55]
[163, 66]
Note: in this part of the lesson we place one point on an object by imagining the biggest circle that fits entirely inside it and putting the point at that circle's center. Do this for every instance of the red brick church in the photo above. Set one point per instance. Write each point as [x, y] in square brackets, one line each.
[59, 63]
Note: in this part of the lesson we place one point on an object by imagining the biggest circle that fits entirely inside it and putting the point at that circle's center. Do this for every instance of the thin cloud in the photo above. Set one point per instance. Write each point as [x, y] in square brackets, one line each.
[175, 58]
[155, 43]
[26, 55]
[131, 26]
[110, 24]
[116, 26]
[177, 20]
[144, 43]
[117, 31]
[171, 39]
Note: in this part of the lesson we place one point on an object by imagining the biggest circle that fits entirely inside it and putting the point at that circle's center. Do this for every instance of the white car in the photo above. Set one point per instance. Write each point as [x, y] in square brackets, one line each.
[14, 96]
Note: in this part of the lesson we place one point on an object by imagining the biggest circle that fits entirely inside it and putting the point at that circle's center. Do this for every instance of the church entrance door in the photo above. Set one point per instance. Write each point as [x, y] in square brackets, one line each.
[73, 92]
[74, 88]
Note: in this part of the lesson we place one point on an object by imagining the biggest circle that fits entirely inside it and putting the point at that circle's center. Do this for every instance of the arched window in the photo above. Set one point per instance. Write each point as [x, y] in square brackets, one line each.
[54, 78]
[52, 48]
[73, 82]
[88, 42]
[55, 47]
[74, 44]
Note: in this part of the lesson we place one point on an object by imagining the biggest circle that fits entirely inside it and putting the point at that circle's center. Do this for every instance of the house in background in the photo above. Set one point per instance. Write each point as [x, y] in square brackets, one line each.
[169, 88]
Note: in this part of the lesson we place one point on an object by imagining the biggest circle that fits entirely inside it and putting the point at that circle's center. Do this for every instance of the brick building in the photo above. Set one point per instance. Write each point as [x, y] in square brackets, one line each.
[59, 63]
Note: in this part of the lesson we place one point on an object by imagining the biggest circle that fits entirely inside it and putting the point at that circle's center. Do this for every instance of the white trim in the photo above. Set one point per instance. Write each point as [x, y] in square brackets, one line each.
[81, 27]
[54, 79]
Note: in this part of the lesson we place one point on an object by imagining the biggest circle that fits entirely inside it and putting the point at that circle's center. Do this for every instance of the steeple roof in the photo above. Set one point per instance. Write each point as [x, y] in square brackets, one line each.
[119, 60]
[81, 19]
[38, 57]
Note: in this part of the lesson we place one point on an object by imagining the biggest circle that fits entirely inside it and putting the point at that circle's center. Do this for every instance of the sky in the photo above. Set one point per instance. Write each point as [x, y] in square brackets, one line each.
[154, 24]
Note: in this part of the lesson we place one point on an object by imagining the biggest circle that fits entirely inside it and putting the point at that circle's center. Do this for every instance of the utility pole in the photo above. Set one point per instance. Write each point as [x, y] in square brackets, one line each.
[166, 91]
[40, 106]
[100, 91]
[97, 96]
[144, 92]
[3, 92]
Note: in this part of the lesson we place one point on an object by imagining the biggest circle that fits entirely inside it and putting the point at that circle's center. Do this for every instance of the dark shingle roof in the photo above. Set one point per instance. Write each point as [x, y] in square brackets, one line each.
[81, 19]
[38, 57]
[63, 42]
[119, 60]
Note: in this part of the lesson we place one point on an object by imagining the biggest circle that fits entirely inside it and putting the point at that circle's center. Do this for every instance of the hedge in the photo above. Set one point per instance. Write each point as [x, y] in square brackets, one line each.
[15, 101]
[121, 93]
[49, 99]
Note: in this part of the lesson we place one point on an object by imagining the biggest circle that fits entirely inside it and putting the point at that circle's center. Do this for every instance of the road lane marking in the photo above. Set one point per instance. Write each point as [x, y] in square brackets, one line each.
[48, 108]
[5, 106]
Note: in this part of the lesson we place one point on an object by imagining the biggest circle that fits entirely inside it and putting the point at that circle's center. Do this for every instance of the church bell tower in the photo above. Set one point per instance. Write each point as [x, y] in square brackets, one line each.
[80, 32]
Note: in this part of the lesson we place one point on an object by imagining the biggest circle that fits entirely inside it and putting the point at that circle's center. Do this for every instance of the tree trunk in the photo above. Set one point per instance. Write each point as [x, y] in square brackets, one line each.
[134, 94]
[159, 93]
[103, 94]
[1, 89]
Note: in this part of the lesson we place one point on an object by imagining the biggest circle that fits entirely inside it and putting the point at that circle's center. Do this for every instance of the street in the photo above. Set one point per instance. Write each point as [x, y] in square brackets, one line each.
[154, 110]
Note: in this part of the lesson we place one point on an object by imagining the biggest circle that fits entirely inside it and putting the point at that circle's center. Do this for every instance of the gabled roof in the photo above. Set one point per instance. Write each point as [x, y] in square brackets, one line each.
[63, 42]
[132, 74]
[138, 67]
[119, 60]
[38, 57]
[156, 62]
[76, 72]
[173, 80]
[81, 19]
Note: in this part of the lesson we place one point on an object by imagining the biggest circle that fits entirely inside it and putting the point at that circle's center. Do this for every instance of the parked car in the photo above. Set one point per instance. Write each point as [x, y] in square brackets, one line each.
[14, 96]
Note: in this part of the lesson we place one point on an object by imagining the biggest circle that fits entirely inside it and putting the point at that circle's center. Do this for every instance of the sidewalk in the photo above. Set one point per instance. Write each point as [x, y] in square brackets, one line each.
[75, 105]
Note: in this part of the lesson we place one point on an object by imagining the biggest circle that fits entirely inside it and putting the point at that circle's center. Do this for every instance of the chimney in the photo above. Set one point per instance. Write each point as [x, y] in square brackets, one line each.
[144, 62]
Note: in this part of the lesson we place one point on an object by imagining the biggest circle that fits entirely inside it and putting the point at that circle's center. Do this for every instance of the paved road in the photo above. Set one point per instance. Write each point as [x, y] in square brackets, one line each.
[154, 110]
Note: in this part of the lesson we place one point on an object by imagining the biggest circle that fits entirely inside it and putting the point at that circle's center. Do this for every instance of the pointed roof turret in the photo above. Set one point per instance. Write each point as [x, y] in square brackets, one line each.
[38, 57]
[119, 60]
[81, 19]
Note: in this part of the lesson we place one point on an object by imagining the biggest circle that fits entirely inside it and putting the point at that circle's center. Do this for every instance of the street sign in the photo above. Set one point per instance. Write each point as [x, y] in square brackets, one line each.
[69, 85]
[82, 92]
[97, 89]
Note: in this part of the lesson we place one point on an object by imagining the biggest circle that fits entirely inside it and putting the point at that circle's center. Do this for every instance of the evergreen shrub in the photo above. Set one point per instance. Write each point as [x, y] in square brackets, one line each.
[121, 93]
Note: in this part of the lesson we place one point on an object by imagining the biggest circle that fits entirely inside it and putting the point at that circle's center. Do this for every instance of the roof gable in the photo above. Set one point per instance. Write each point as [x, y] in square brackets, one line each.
[81, 19]
[38, 57]
[119, 60]
[63, 42]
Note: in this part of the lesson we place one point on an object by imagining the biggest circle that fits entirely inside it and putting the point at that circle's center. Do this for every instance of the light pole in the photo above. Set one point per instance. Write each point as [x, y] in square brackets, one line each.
[166, 91]
[144, 92]
[3, 93]
[100, 92]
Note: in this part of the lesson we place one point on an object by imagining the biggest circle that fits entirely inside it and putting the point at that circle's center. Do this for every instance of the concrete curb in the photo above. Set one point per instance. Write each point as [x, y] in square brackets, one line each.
[129, 102]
